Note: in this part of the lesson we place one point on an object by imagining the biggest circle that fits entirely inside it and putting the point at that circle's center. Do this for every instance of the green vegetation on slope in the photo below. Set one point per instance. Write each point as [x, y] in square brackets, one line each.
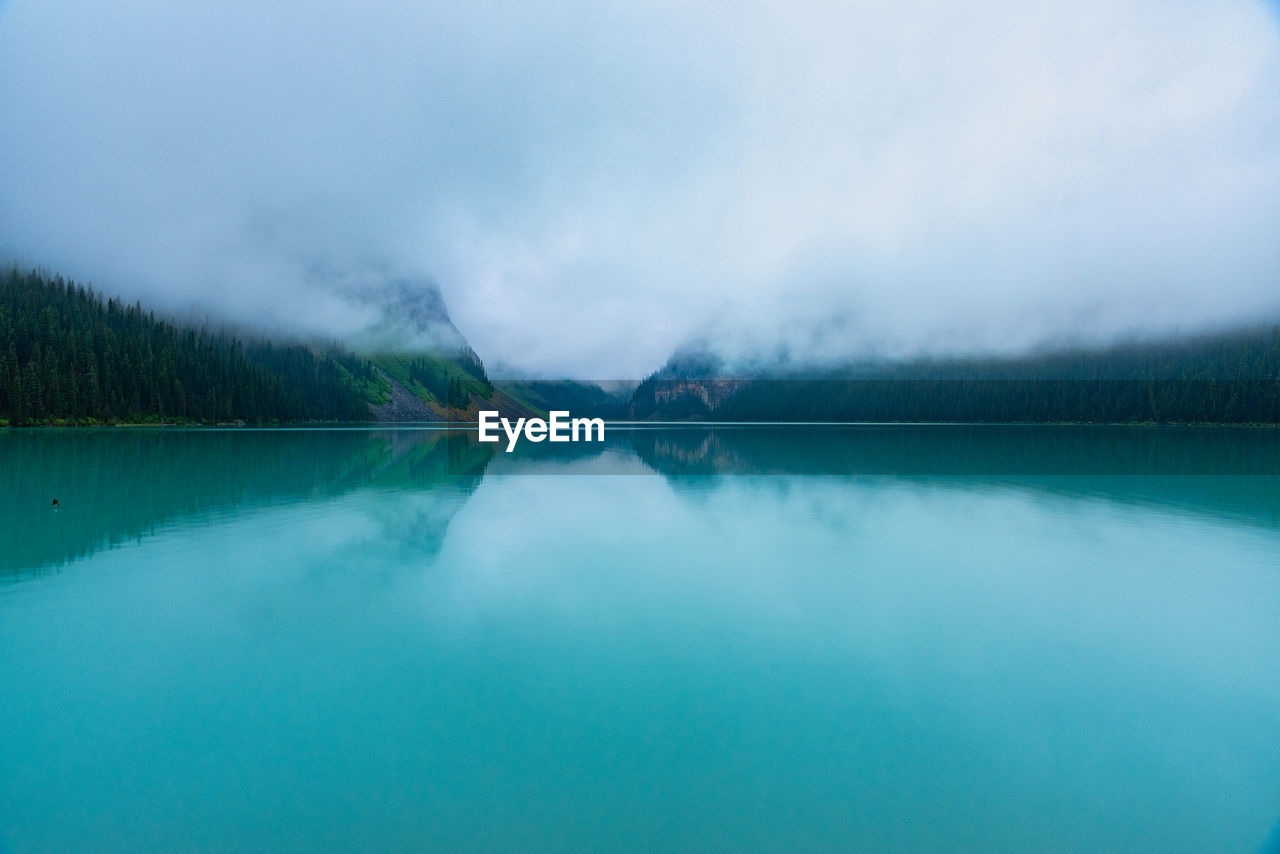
[446, 384]
[455, 387]
[68, 356]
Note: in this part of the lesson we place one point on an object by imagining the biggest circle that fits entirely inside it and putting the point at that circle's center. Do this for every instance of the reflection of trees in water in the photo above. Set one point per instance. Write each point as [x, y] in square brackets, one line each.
[1273, 844]
[1228, 472]
[119, 485]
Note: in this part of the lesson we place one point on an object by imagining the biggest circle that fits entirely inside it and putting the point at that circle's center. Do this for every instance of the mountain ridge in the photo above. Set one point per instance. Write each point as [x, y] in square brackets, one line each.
[70, 357]
[1230, 376]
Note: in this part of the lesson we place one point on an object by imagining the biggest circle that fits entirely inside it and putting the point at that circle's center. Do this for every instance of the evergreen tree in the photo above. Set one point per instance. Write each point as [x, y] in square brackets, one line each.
[65, 354]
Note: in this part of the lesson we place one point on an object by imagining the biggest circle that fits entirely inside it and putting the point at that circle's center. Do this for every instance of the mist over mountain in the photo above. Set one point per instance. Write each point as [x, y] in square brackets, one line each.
[412, 316]
[594, 186]
[1246, 351]
[1223, 377]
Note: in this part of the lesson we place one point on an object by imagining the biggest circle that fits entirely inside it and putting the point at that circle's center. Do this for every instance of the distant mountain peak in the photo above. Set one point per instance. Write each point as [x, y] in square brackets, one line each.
[412, 313]
[414, 316]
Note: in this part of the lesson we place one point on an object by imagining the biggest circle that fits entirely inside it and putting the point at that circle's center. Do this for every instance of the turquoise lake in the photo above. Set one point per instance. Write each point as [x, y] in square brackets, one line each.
[879, 639]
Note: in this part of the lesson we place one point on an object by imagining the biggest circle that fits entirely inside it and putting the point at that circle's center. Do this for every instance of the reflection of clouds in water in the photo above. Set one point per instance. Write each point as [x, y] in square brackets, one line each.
[368, 532]
[613, 457]
[940, 653]
[1061, 639]
[407, 526]
[749, 538]
[1090, 636]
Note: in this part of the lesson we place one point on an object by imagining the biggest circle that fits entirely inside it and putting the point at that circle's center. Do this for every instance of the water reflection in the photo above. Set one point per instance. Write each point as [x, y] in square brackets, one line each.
[1226, 472]
[400, 640]
[115, 486]
[977, 450]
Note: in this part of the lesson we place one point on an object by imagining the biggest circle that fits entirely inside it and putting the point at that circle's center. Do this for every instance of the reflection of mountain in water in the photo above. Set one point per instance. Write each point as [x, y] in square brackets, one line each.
[1221, 471]
[119, 485]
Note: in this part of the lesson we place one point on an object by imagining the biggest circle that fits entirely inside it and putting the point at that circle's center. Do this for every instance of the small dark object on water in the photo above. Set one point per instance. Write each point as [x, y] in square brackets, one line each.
[55, 502]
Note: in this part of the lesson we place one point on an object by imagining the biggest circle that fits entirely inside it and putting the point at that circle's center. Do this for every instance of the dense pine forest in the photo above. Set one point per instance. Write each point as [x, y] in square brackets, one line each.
[69, 356]
[1230, 377]
[437, 377]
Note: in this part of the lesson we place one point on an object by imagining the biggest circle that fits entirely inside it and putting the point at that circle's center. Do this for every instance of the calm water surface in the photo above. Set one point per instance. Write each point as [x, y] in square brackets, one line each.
[857, 639]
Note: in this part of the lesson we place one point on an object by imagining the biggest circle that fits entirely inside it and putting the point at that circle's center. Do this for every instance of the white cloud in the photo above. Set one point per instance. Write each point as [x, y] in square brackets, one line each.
[591, 186]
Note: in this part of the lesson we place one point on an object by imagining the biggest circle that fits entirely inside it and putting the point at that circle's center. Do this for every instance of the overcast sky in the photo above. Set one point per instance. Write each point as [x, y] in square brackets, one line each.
[594, 184]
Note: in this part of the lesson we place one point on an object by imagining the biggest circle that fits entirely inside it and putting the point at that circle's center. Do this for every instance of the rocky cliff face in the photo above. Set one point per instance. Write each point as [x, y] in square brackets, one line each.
[403, 406]
[710, 392]
[412, 317]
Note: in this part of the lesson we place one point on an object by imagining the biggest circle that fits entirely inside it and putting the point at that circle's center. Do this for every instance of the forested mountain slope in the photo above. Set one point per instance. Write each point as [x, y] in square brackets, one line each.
[67, 355]
[1225, 377]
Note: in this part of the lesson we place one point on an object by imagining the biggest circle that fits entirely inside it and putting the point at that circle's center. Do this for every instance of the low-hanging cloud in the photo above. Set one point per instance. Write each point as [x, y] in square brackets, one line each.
[593, 185]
